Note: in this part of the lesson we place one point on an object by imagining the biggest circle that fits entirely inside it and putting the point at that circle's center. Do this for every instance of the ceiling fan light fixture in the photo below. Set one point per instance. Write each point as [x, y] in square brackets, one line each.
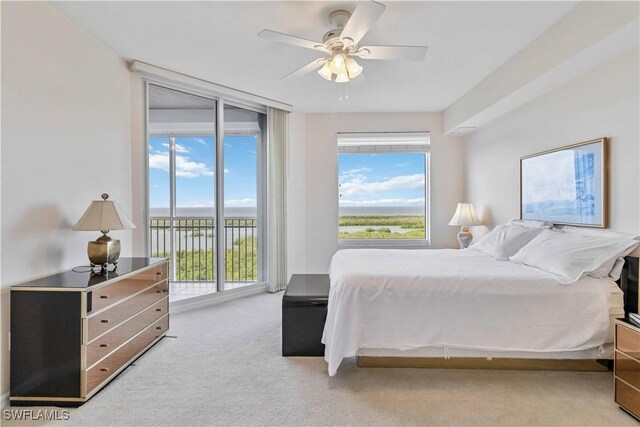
[353, 68]
[325, 71]
[342, 78]
[337, 64]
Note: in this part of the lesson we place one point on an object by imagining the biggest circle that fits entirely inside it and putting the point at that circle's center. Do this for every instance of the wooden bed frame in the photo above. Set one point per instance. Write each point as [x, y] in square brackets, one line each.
[628, 283]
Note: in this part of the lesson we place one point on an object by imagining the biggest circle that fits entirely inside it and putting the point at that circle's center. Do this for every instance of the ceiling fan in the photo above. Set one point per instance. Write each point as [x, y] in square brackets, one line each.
[340, 45]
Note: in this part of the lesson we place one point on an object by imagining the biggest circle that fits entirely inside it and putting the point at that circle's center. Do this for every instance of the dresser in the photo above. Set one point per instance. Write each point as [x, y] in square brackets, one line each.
[72, 333]
[627, 367]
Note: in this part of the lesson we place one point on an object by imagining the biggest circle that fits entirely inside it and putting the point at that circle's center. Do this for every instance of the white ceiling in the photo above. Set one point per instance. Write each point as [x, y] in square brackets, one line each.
[218, 42]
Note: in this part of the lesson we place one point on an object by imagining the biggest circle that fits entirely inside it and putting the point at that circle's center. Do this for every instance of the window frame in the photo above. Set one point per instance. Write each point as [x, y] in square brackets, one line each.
[390, 243]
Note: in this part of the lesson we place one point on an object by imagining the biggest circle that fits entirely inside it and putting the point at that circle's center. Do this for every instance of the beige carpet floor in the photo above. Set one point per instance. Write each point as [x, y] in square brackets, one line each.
[225, 368]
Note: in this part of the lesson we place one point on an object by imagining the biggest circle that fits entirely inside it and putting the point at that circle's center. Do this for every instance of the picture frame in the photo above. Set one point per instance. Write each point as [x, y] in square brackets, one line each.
[567, 185]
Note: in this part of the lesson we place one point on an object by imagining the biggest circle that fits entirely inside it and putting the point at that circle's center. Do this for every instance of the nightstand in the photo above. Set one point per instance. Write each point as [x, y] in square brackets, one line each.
[627, 367]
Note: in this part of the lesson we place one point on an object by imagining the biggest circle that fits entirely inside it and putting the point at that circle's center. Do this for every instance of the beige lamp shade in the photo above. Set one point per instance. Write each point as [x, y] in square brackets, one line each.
[465, 216]
[104, 215]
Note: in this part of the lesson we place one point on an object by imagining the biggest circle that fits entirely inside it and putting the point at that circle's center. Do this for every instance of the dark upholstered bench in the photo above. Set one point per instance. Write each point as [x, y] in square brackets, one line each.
[304, 311]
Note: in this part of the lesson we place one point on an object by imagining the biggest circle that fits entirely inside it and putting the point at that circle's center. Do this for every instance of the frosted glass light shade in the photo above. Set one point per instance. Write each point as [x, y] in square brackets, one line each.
[337, 64]
[465, 216]
[353, 68]
[342, 78]
[103, 215]
[325, 71]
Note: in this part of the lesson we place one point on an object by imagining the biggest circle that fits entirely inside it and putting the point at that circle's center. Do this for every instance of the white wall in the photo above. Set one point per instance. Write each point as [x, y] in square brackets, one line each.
[65, 140]
[313, 188]
[603, 102]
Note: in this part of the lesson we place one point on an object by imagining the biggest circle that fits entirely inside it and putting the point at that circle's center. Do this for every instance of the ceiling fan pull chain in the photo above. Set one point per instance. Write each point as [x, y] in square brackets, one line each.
[346, 91]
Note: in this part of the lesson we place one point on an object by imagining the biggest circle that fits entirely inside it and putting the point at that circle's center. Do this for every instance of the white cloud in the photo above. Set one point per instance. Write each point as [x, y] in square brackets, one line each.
[179, 148]
[240, 202]
[359, 186]
[353, 174]
[159, 161]
[355, 171]
[197, 204]
[226, 171]
[383, 202]
[200, 140]
[185, 167]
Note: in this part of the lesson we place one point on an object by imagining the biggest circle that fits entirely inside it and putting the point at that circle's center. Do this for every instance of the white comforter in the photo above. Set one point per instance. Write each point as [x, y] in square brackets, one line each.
[405, 299]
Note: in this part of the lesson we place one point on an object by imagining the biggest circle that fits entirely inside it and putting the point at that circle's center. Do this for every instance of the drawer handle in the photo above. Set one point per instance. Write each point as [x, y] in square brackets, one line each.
[104, 296]
[104, 321]
[159, 328]
[158, 309]
[159, 273]
[104, 345]
[104, 369]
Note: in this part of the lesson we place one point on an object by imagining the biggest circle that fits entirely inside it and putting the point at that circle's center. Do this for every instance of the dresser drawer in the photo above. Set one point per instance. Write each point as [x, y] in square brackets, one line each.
[156, 273]
[110, 341]
[121, 357]
[628, 341]
[112, 294]
[107, 320]
[628, 397]
[628, 369]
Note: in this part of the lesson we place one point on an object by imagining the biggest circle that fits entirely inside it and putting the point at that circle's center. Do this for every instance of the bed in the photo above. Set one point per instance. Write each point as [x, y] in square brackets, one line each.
[462, 303]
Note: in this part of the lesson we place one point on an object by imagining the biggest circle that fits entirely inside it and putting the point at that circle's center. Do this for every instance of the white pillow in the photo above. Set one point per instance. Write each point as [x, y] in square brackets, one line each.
[613, 267]
[618, 265]
[505, 240]
[571, 256]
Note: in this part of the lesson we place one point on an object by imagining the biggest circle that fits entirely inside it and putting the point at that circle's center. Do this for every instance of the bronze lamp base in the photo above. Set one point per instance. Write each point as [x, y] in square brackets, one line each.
[104, 251]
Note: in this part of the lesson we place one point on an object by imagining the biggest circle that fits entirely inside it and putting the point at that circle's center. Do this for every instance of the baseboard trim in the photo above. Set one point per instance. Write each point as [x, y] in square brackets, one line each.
[216, 298]
[4, 400]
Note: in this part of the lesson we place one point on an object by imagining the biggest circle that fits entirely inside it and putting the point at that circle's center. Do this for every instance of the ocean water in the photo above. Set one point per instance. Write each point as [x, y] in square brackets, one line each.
[250, 212]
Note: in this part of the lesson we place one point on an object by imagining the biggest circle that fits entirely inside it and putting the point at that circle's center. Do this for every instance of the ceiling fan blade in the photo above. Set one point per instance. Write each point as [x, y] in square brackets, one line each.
[311, 66]
[395, 53]
[361, 20]
[289, 39]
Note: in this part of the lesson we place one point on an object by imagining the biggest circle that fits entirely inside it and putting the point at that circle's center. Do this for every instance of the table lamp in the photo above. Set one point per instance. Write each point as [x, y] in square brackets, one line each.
[104, 215]
[464, 217]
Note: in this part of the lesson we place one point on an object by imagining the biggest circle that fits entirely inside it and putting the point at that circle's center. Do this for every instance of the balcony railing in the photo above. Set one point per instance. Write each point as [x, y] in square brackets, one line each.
[195, 248]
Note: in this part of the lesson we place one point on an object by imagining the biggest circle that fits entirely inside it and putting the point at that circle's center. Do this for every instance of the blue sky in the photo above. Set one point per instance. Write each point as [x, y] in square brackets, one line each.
[195, 171]
[388, 179]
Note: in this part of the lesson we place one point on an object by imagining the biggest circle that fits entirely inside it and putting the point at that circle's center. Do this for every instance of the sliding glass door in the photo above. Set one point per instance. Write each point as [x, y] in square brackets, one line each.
[199, 184]
[243, 136]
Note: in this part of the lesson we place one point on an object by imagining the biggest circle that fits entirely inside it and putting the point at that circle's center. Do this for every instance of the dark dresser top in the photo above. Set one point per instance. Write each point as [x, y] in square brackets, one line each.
[72, 280]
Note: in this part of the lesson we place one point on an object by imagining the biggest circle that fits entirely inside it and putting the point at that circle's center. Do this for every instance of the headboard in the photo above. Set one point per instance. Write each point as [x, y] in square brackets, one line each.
[629, 282]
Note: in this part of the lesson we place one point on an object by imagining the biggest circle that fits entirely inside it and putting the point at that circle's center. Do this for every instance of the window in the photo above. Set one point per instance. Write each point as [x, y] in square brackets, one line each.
[384, 189]
[205, 198]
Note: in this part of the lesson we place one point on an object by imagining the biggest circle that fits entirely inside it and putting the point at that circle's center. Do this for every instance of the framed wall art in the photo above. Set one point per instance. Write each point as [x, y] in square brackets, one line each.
[567, 185]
